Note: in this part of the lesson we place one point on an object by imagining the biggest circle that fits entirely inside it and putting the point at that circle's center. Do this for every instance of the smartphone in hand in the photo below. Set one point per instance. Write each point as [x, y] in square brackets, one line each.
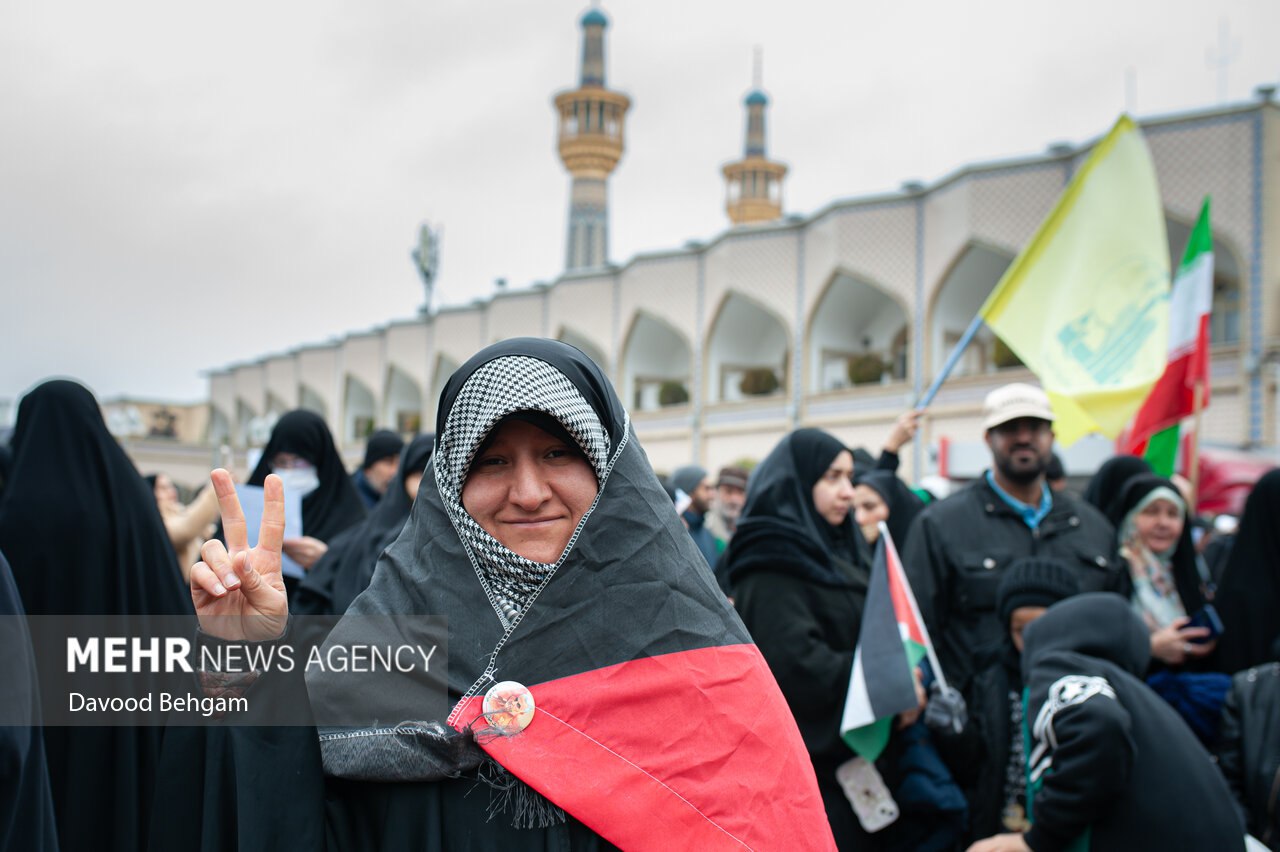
[1206, 616]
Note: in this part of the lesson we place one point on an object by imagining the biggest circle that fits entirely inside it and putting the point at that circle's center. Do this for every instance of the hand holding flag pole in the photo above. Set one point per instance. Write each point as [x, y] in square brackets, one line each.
[892, 640]
[946, 710]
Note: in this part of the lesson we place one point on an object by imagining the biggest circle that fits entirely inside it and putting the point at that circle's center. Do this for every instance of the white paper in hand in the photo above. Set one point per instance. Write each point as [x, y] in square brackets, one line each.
[251, 503]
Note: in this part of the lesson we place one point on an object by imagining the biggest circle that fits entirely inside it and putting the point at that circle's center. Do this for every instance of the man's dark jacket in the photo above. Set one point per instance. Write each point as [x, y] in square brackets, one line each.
[958, 549]
[1110, 765]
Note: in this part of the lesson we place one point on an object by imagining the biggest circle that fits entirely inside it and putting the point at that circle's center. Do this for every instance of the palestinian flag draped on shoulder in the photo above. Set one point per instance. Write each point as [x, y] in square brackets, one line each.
[892, 641]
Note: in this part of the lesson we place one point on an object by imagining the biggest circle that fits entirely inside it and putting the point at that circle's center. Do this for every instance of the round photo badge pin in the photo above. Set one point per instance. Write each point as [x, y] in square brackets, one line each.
[509, 706]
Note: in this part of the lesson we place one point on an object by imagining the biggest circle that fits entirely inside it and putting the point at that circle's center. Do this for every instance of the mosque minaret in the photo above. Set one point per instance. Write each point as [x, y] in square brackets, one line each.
[754, 183]
[591, 127]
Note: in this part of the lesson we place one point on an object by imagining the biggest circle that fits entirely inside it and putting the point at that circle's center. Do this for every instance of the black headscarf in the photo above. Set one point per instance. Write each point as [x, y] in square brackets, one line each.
[781, 529]
[345, 570]
[82, 532]
[630, 594]
[334, 505]
[903, 503]
[78, 523]
[1183, 559]
[381, 444]
[1249, 597]
[1108, 481]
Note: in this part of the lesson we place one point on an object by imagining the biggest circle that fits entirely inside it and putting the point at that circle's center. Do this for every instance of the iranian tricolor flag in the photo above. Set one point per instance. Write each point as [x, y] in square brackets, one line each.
[1154, 433]
[892, 641]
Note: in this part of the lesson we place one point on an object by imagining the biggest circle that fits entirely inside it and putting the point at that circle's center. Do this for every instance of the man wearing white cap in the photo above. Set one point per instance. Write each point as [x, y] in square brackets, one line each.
[958, 549]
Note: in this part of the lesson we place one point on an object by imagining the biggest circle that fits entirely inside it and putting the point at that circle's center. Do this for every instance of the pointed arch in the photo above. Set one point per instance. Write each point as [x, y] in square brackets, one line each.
[445, 367]
[746, 352]
[276, 406]
[970, 278]
[310, 400]
[359, 410]
[584, 344]
[858, 333]
[402, 402]
[657, 364]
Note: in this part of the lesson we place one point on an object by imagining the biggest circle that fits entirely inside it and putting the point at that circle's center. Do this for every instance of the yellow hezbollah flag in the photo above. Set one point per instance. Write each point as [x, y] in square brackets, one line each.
[1086, 303]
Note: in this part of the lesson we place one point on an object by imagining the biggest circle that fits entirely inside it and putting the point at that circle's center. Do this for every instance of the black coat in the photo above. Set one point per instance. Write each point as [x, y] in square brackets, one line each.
[958, 549]
[978, 756]
[1249, 596]
[1109, 762]
[799, 585]
[1249, 749]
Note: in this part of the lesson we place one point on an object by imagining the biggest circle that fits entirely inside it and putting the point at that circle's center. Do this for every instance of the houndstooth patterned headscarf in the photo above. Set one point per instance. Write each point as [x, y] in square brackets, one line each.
[498, 388]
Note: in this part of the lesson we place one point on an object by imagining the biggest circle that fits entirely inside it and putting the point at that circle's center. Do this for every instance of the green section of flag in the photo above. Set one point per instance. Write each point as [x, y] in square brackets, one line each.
[1201, 239]
[870, 741]
[915, 652]
[1162, 451]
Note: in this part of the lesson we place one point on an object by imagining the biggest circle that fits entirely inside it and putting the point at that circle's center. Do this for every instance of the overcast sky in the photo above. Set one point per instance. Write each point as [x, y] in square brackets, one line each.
[184, 186]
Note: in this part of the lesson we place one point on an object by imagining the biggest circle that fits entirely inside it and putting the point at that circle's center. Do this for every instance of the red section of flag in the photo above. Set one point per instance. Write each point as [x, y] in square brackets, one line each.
[1173, 397]
[691, 750]
[902, 608]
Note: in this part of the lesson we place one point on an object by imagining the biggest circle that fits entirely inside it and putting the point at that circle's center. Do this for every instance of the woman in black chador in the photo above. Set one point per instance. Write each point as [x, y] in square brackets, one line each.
[81, 530]
[576, 603]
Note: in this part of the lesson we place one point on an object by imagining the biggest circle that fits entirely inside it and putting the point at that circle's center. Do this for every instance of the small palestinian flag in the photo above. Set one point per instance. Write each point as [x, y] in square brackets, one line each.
[891, 643]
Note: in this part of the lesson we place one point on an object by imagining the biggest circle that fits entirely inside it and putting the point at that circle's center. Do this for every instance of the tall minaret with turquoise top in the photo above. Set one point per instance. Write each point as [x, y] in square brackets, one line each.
[591, 125]
[754, 183]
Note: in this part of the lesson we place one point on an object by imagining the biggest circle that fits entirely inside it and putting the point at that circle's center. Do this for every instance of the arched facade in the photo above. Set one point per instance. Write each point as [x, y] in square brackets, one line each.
[858, 335]
[781, 309]
[971, 278]
[747, 352]
[587, 348]
[657, 365]
[310, 400]
[359, 410]
[402, 407]
[445, 367]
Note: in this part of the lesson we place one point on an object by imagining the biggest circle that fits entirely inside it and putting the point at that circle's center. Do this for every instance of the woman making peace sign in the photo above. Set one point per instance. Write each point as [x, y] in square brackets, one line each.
[543, 535]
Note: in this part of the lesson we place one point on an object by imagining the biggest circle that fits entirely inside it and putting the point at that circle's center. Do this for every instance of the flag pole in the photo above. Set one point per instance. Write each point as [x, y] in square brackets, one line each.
[915, 609]
[952, 360]
[1197, 408]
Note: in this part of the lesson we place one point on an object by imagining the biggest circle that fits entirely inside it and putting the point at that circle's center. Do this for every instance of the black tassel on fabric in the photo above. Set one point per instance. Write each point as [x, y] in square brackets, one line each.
[509, 795]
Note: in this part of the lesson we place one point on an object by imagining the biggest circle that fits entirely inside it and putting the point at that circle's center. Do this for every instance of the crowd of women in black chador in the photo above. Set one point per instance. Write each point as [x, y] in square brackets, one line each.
[800, 568]
[301, 451]
[346, 568]
[82, 533]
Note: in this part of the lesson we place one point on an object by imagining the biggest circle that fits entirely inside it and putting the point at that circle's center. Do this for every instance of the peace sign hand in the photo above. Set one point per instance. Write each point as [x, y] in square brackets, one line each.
[238, 591]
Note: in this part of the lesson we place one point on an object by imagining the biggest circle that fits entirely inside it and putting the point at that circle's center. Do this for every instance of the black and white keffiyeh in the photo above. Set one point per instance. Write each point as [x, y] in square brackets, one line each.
[495, 390]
